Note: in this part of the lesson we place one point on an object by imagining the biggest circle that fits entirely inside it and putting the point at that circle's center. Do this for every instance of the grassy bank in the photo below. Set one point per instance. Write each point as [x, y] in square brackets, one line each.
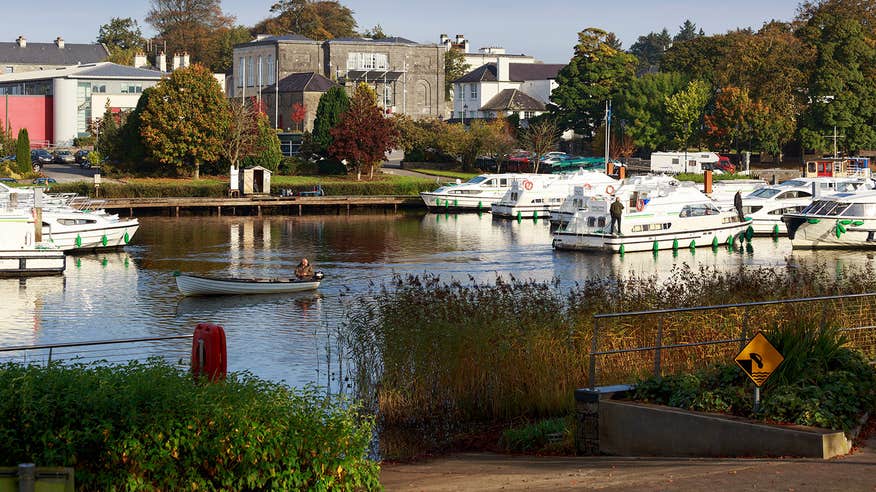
[218, 186]
[435, 360]
[150, 427]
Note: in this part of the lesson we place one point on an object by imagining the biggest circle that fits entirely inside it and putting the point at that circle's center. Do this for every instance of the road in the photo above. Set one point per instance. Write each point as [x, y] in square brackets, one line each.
[66, 173]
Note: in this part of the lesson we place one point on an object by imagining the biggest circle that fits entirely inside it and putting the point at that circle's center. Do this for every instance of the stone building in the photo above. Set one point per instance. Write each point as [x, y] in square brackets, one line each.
[23, 56]
[303, 88]
[407, 76]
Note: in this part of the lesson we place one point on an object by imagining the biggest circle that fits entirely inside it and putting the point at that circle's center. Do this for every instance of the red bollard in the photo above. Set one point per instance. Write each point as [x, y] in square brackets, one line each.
[209, 355]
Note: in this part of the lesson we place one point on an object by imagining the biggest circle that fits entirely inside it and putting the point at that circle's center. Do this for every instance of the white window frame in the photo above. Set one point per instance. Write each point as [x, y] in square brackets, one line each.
[249, 72]
[474, 91]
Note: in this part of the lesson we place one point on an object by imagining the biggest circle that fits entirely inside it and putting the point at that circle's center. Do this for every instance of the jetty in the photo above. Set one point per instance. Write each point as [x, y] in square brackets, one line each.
[256, 205]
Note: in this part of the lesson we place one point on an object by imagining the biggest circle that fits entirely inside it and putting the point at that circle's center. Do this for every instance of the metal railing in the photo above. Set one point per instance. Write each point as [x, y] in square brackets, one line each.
[119, 350]
[721, 330]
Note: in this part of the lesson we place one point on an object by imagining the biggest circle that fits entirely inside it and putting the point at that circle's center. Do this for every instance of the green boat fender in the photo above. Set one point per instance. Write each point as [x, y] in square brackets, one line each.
[519, 216]
[535, 215]
[858, 223]
[813, 221]
[714, 242]
[78, 241]
[126, 238]
[655, 246]
[622, 250]
[775, 229]
[730, 241]
[675, 245]
[693, 245]
[749, 233]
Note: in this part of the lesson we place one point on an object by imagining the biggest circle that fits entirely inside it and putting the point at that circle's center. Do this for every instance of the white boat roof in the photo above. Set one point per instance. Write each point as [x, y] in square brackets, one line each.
[868, 196]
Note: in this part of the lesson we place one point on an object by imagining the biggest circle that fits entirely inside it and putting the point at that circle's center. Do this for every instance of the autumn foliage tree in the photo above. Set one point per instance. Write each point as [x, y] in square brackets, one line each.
[195, 26]
[185, 119]
[363, 135]
[299, 112]
[242, 132]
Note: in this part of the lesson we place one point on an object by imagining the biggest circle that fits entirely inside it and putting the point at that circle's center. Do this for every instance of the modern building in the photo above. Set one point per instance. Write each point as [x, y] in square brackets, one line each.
[408, 76]
[304, 88]
[23, 56]
[504, 88]
[58, 105]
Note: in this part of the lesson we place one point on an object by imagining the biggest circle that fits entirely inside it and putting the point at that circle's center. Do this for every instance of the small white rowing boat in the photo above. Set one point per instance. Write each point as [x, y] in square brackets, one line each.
[198, 285]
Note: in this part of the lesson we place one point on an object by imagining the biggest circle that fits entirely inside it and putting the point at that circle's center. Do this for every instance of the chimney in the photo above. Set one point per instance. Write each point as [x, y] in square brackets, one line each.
[460, 38]
[502, 69]
[444, 39]
[177, 60]
[60, 42]
[465, 46]
[140, 60]
[22, 42]
[161, 61]
[185, 59]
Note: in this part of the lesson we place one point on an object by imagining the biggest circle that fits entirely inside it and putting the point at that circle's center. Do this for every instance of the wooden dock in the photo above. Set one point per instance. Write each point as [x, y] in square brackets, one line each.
[255, 205]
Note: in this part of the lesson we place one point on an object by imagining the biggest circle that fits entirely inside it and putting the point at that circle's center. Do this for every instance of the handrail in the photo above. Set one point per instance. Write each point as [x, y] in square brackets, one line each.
[97, 342]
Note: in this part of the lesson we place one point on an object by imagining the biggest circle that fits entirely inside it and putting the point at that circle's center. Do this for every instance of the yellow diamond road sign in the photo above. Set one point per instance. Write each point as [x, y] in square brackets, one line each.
[759, 359]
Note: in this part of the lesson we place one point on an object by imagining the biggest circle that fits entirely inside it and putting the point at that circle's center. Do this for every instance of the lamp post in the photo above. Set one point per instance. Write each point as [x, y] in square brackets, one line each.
[464, 109]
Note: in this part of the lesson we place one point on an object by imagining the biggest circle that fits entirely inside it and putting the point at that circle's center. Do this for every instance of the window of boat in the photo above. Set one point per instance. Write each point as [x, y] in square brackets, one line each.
[503, 182]
[751, 209]
[514, 196]
[860, 210]
[765, 193]
[827, 208]
[794, 182]
[538, 200]
[601, 221]
[491, 182]
[839, 209]
[811, 166]
[69, 222]
[591, 221]
[812, 206]
[477, 179]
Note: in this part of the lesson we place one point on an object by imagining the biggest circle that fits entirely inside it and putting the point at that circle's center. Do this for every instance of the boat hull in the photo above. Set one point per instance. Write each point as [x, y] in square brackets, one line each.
[646, 242]
[822, 235]
[99, 237]
[191, 285]
[445, 201]
[32, 262]
[523, 212]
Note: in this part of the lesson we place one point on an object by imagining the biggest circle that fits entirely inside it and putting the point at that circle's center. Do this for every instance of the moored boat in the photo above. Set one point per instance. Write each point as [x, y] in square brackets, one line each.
[202, 285]
[20, 255]
[842, 220]
[542, 194]
[475, 194]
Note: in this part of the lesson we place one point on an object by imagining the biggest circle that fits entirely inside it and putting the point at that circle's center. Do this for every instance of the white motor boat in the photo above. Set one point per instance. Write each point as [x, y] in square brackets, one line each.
[723, 191]
[842, 220]
[543, 193]
[574, 202]
[70, 228]
[659, 213]
[200, 285]
[20, 254]
[766, 206]
[475, 194]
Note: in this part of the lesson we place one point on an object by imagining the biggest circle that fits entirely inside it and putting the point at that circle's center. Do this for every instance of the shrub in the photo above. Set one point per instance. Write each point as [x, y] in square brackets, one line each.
[150, 427]
[544, 435]
[296, 166]
[331, 167]
[22, 152]
[86, 141]
[269, 154]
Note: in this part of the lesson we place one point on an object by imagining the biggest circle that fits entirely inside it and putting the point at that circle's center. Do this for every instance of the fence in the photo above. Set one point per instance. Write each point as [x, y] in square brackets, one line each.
[638, 344]
[112, 351]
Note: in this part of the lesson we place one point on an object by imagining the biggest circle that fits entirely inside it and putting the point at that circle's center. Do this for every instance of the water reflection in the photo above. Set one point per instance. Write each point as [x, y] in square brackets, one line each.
[290, 337]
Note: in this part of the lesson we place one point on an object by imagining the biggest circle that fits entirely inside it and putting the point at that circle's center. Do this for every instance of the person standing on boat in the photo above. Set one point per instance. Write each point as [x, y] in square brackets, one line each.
[737, 203]
[304, 271]
[617, 210]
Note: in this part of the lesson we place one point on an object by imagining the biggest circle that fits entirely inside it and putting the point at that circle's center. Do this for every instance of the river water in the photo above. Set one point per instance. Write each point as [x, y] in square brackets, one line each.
[132, 293]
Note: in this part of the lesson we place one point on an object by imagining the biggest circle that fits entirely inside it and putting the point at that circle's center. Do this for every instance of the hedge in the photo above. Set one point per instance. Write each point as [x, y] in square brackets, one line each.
[149, 426]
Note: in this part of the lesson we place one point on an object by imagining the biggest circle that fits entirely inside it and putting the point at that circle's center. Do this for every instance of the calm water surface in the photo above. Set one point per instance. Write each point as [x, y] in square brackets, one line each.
[132, 293]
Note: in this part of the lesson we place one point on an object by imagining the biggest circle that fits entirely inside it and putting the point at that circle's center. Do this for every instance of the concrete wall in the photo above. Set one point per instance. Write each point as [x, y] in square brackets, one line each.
[36, 113]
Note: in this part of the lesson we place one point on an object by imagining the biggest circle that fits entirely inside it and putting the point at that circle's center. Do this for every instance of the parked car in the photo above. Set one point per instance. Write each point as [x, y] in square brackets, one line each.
[44, 181]
[8, 180]
[41, 156]
[521, 156]
[64, 157]
[553, 157]
[81, 156]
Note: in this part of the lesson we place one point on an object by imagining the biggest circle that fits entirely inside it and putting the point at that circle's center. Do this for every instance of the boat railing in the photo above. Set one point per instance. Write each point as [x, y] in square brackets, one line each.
[116, 351]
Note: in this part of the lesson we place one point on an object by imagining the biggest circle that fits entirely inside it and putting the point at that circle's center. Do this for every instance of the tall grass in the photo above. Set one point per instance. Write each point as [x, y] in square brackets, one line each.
[434, 357]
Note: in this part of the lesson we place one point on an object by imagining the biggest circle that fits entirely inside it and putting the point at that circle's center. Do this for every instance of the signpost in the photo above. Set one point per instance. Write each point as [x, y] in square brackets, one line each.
[97, 184]
[759, 359]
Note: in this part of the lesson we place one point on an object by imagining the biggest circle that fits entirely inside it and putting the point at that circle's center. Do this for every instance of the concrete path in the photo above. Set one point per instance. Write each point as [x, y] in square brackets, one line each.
[484, 471]
[66, 173]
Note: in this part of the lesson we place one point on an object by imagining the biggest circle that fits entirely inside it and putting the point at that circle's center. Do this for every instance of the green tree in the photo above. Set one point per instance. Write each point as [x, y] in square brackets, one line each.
[7, 141]
[22, 152]
[318, 20]
[687, 31]
[454, 68]
[185, 119]
[842, 86]
[375, 32]
[701, 56]
[595, 74]
[728, 124]
[649, 50]
[130, 148]
[227, 38]
[267, 147]
[108, 135]
[194, 26]
[123, 39]
[331, 106]
[364, 135]
[685, 112]
[641, 109]
[242, 136]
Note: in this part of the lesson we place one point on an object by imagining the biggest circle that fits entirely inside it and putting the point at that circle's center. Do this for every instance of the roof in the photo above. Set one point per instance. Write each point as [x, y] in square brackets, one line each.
[513, 100]
[302, 82]
[391, 40]
[51, 54]
[285, 38]
[482, 73]
[520, 72]
[103, 70]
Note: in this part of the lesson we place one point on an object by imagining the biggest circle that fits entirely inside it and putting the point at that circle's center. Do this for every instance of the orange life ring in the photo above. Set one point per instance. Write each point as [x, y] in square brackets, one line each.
[527, 184]
[609, 190]
[640, 205]
[587, 186]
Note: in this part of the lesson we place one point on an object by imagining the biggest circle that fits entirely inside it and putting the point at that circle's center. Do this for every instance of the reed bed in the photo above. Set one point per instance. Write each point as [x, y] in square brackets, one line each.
[435, 359]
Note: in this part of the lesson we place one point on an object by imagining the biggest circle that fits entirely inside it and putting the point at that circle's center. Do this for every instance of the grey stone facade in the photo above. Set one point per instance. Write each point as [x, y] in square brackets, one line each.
[408, 77]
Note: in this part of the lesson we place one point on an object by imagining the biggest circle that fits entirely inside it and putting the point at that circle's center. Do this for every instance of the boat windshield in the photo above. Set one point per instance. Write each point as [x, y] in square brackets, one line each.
[765, 193]
[860, 210]
[477, 179]
[794, 183]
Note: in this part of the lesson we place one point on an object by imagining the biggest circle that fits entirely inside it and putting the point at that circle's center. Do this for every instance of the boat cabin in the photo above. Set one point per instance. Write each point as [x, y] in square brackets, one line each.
[839, 167]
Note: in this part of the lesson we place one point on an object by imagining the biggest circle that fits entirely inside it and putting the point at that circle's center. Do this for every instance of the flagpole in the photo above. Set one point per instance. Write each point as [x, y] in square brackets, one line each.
[277, 97]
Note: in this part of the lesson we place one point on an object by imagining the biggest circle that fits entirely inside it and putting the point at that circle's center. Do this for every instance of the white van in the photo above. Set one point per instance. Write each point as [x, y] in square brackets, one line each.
[697, 162]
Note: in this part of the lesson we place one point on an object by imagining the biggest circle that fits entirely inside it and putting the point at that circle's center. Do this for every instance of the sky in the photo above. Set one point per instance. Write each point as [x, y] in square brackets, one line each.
[546, 29]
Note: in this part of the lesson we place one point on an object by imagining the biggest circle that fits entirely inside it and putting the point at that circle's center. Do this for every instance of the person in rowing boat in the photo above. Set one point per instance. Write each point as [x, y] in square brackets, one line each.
[304, 271]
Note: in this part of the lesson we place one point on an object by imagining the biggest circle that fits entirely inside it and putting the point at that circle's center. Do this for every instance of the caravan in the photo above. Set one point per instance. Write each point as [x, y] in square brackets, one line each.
[689, 162]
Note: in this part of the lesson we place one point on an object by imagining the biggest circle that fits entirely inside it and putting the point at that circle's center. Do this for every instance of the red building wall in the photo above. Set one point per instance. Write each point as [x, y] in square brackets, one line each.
[32, 112]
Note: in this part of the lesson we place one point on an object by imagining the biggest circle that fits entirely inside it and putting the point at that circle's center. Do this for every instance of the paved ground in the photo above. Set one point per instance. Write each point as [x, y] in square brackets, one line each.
[479, 472]
[65, 173]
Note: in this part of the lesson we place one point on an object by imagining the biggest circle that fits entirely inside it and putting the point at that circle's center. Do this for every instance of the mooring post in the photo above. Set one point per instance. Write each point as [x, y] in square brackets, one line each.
[587, 422]
[299, 210]
[259, 208]
[26, 477]
[219, 210]
[177, 210]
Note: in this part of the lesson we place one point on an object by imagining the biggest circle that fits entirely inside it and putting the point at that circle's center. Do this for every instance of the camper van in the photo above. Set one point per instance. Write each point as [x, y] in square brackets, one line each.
[697, 162]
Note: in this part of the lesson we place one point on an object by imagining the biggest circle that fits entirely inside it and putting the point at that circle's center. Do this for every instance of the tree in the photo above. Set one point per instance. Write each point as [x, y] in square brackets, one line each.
[185, 120]
[227, 39]
[842, 86]
[701, 56]
[108, 131]
[728, 124]
[319, 20]
[649, 50]
[375, 32]
[130, 148]
[687, 32]
[266, 152]
[454, 68]
[242, 134]
[193, 26]
[299, 112]
[540, 138]
[501, 142]
[641, 109]
[22, 152]
[685, 112]
[123, 38]
[595, 74]
[331, 106]
[364, 135]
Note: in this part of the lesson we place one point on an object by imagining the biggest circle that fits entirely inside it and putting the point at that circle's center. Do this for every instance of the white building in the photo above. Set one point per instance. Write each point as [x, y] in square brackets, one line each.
[504, 88]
